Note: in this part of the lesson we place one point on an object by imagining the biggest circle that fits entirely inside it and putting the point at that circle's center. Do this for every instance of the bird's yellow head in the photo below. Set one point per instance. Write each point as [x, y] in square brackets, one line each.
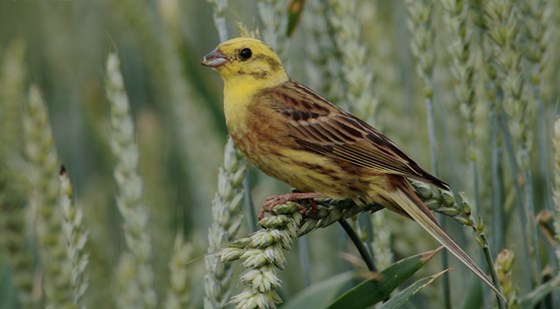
[247, 63]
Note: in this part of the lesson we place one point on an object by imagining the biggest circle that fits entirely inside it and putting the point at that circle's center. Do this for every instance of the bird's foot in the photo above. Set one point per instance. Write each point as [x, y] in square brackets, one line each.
[280, 199]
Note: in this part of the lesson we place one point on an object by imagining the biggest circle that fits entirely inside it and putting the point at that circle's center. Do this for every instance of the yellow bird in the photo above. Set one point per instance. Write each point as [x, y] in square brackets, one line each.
[295, 135]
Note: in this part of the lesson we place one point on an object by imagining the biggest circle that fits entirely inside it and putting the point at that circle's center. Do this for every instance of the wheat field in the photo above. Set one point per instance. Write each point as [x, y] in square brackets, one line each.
[119, 186]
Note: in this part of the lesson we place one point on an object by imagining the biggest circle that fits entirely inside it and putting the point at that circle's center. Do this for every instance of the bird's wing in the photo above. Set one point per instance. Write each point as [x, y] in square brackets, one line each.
[319, 126]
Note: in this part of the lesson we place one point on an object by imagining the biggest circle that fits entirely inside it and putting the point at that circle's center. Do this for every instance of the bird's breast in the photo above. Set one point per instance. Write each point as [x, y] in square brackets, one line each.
[278, 156]
[261, 134]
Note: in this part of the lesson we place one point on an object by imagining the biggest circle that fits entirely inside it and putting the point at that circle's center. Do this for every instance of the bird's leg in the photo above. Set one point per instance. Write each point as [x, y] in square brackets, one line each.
[313, 204]
[280, 199]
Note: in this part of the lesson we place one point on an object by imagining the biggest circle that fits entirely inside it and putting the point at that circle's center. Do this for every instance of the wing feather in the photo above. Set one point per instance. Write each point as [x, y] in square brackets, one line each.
[319, 126]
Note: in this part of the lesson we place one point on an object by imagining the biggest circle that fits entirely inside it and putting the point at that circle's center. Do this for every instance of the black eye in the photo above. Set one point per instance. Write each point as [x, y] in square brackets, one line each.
[245, 54]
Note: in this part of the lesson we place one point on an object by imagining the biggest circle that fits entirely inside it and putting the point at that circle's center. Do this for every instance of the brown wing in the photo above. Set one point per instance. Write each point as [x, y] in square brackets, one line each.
[319, 126]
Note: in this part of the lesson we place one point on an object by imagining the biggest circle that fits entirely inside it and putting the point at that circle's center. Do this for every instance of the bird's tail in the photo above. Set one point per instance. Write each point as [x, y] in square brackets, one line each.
[415, 208]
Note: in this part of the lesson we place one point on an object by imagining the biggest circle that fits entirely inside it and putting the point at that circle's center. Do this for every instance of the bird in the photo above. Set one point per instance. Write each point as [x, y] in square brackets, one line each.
[295, 135]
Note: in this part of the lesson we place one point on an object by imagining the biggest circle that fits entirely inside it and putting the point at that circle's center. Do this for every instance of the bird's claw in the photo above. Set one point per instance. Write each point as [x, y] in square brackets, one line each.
[276, 200]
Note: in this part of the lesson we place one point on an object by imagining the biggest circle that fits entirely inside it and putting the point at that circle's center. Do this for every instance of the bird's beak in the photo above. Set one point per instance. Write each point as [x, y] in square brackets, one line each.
[214, 59]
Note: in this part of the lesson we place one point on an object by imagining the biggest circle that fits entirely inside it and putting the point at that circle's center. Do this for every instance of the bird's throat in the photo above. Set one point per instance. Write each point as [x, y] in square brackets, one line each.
[236, 104]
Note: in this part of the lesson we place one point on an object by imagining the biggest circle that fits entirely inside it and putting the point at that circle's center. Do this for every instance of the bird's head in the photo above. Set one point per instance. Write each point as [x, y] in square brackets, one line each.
[246, 60]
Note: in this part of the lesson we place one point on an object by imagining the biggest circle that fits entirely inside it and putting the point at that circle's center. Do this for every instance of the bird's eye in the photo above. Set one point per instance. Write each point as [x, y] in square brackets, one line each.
[245, 54]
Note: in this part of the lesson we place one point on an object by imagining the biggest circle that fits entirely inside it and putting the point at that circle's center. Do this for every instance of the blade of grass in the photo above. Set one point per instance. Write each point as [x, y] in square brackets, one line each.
[400, 299]
[373, 291]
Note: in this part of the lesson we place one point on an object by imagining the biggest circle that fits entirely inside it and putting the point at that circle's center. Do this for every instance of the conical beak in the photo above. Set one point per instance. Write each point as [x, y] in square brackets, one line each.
[214, 59]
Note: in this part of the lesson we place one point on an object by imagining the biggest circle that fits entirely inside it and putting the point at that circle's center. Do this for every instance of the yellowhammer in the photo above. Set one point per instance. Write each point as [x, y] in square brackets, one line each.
[295, 135]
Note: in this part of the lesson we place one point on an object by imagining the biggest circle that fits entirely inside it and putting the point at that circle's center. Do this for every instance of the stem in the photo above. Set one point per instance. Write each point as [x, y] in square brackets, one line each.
[366, 256]
[445, 265]
[496, 180]
[366, 221]
[441, 218]
[490, 262]
[543, 154]
[474, 171]
[545, 174]
[519, 200]
[432, 135]
[249, 209]
[530, 210]
[544, 169]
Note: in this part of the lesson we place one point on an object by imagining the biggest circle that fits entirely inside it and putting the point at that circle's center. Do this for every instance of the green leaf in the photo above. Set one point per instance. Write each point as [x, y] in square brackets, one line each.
[373, 291]
[403, 297]
[531, 299]
[294, 14]
[319, 295]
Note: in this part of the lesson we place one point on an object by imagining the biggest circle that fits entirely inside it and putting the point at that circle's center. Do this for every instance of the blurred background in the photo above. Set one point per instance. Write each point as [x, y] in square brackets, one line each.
[61, 47]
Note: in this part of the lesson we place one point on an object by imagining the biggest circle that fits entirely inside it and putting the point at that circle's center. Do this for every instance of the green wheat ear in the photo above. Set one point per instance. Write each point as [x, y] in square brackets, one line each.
[504, 269]
[43, 162]
[178, 293]
[359, 98]
[460, 49]
[227, 217]
[325, 68]
[13, 223]
[504, 28]
[135, 274]
[272, 14]
[261, 254]
[219, 7]
[76, 235]
[354, 66]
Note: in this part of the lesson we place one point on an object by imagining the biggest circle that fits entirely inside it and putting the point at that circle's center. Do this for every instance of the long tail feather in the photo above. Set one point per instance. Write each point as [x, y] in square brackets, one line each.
[413, 206]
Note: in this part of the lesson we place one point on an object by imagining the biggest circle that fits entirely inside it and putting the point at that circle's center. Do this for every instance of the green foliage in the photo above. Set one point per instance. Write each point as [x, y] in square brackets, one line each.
[152, 211]
[373, 291]
[404, 296]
